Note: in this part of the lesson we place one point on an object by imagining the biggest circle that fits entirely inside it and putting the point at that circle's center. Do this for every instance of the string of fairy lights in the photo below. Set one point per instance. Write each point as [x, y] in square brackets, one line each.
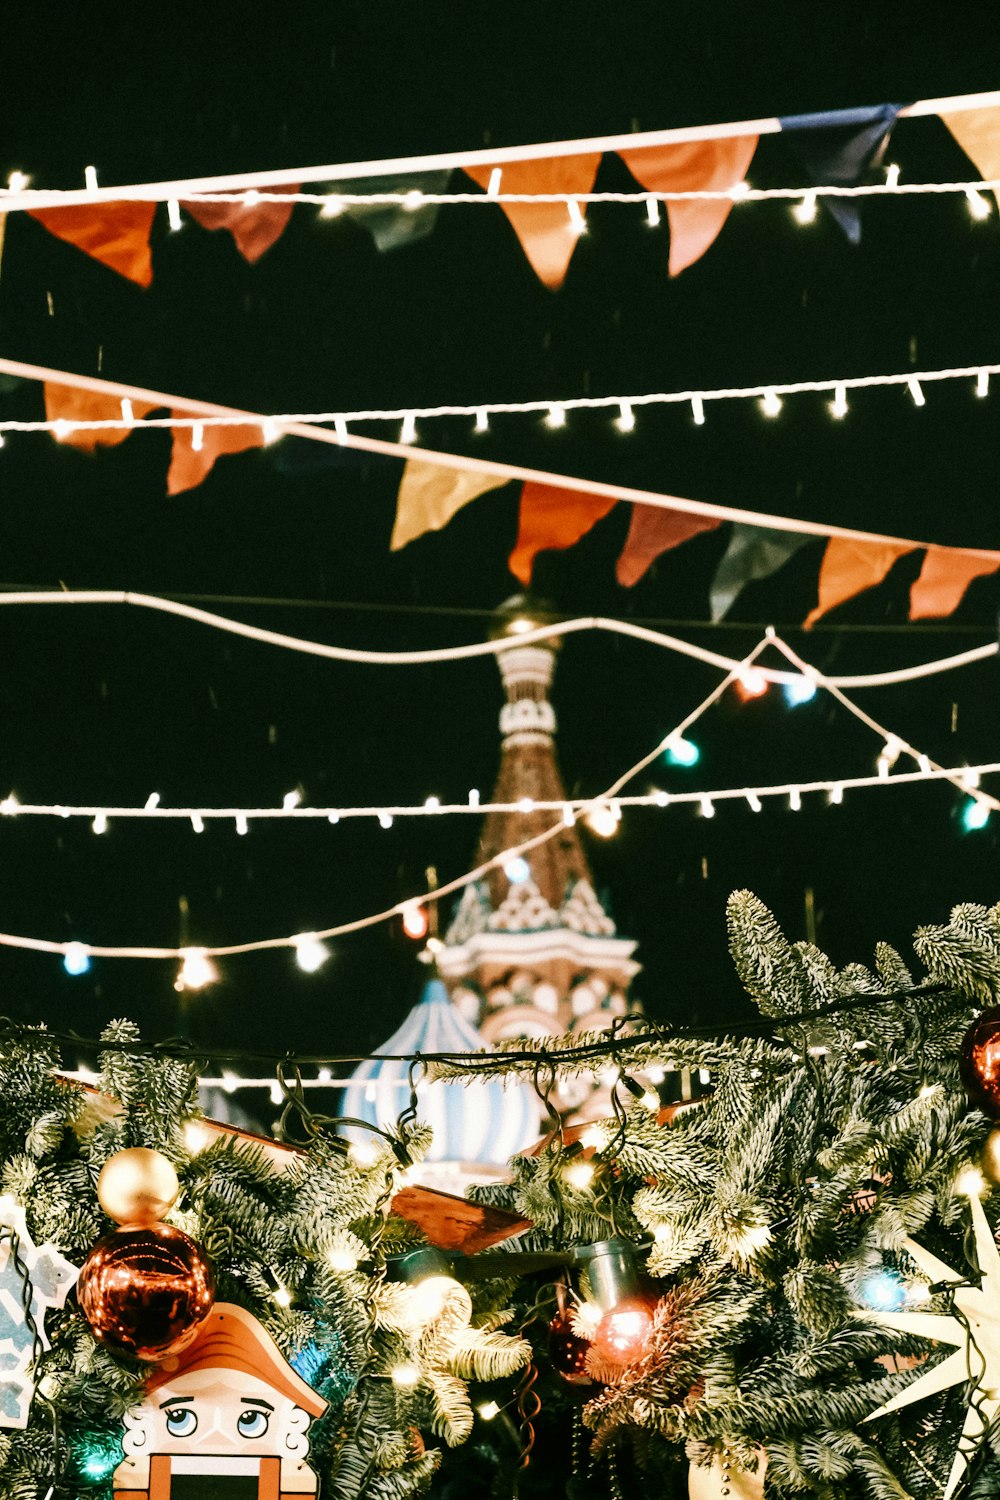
[602, 814]
[770, 399]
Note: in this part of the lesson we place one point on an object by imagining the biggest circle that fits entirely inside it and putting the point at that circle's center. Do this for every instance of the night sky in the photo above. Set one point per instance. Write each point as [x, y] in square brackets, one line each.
[107, 705]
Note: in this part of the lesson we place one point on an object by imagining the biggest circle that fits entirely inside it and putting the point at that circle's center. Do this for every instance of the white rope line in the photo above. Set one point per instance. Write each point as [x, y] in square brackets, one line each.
[442, 654]
[965, 779]
[22, 199]
[458, 462]
[62, 427]
[413, 199]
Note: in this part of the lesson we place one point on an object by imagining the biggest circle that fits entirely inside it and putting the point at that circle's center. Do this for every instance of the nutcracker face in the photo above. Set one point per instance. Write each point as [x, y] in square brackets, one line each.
[219, 1414]
[227, 1418]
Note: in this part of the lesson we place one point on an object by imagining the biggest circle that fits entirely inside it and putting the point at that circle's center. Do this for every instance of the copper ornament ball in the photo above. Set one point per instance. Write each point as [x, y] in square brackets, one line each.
[568, 1352]
[146, 1290]
[137, 1186]
[979, 1063]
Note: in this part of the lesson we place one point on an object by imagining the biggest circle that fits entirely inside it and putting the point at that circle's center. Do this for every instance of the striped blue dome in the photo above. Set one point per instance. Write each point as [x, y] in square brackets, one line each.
[483, 1122]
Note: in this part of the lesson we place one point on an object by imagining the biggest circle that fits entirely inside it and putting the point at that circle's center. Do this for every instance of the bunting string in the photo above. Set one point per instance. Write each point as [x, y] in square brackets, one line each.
[24, 199]
[474, 649]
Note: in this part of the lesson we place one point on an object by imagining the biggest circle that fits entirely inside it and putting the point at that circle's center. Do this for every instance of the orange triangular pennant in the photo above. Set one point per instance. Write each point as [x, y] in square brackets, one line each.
[653, 531]
[116, 234]
[255, 226]
[552, 518]
[189, 464]
[66, 403]
[692, 167]
[849, 566]
[944, 578]
[547, 233]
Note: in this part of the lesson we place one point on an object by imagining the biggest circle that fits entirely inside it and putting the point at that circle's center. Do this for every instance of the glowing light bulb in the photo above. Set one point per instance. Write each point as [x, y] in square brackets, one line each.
[197, 823]
[415, 921]
[891, 175]
[979, 207]
[291, 799]
[604, 819]
[517, 870]
[805, 212]
[975, 814]
[577, 222]
[752, 682]
[526, 804]
[739, 190]
[707, 807]
[474, 797]
[153, 800]
[17, 182]
[579, 1175]
[836, 794]
[916, 391]
[90, 179]
[310, 953]
[625, 421]
[332, 208]
[363, 1153]
[652, 212]
[405, 1374]
[681, 752]
[342, 1260]
[270, 432]
[568, 817]
[174, 214]
[324, 1075]
[754, 801]
[196, 1137]
[283, 1296]
[427, 1298]
[770, 403]
[242, 826]
[197, 970]
[76, 958]
[488, 1410]
[62, 430]
[274, 1093]
[971, 1183]
[412, 200]
[982, 383]
[496, 177]
[594, 1137]
[10, 806]
[556, 416]
[838, 406]
[620, 1335]
[482, 420]
[340, 429]
[650, 1100]
[100, 823]
[197, 436]
[970, 779]
[385, 819]
[230, 1081]
[802, 690]
[795, 799]
[408, 431]
[884, 1290]
[698, 411]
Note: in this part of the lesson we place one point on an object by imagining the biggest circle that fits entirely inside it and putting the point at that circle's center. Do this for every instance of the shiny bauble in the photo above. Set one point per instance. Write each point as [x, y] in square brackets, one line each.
[137, 1186]
[146, 1290]
[568, 1352]
[979, 1063]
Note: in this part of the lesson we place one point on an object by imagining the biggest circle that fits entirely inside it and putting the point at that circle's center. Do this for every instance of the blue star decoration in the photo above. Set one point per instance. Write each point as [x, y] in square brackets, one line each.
[43, 1277]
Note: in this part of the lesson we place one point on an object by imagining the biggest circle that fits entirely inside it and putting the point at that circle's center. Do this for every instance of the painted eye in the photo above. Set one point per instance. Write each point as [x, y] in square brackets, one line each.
[181, 1422]
[252, 1424]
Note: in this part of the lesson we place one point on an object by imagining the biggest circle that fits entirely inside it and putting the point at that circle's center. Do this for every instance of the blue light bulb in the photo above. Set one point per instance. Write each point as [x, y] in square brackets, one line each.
[802, 690]
[883, 1291]
[517, 870]
[975, 814]
[76, 959]
[682, 752]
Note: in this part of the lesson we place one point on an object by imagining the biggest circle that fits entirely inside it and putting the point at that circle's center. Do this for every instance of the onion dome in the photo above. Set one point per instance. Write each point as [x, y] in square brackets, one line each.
[485, 1122]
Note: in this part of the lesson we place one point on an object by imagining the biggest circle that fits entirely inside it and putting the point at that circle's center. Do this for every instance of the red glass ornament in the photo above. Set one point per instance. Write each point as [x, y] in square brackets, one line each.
[622, 1332]
[568, 1352]
[146, 1290]
[979, 1063]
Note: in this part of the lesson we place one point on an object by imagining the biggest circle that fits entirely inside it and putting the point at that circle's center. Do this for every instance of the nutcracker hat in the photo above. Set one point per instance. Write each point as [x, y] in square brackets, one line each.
[231, 1339]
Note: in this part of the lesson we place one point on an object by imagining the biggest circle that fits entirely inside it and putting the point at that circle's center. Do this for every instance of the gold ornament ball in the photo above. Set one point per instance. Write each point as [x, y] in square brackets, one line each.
[137, 1186]
[990, 1162]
